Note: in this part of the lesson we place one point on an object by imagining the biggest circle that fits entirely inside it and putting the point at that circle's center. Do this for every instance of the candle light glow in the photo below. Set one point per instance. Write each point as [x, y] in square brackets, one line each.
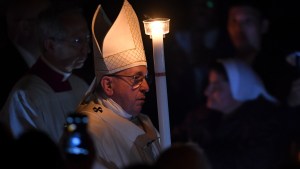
[158, 26]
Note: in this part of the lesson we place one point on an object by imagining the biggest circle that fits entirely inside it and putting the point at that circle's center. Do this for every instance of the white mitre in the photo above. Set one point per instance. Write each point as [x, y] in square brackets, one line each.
[119, 46]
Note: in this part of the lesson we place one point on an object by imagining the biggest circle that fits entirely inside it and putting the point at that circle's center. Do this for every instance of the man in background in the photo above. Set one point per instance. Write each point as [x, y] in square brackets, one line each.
[21, 47]
[45, 96]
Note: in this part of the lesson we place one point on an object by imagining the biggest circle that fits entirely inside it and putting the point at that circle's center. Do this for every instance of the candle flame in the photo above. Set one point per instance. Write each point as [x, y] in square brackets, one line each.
[159, 26]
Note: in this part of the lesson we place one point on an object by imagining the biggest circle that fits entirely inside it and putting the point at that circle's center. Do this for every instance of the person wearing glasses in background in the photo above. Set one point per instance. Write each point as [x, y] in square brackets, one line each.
[122, 135]
[19, 40]
[44, 97]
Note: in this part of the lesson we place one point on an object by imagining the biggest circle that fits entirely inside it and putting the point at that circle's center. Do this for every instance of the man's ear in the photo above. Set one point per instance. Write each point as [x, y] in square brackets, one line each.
[49, 44]
[106, 83]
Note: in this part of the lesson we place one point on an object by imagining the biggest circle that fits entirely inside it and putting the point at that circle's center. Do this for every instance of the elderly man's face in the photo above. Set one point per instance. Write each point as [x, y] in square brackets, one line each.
[126, 91]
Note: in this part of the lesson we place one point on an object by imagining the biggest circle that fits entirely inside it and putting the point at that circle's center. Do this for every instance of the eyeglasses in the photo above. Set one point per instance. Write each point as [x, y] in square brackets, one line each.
[80, 41]
[76, 41]
[136, 80]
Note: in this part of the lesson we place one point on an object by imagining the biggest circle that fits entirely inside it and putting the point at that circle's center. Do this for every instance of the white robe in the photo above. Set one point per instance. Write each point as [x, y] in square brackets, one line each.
[33, 103]
[118, 141]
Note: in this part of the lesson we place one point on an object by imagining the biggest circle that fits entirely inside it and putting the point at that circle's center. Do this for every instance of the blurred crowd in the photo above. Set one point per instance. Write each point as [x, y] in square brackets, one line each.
[232, 72]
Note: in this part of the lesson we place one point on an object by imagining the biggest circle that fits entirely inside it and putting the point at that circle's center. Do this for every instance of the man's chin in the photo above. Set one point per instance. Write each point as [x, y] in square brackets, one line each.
[137, 111]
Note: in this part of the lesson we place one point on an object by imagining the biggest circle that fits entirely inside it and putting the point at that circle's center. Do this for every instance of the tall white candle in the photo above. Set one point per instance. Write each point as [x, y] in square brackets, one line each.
[156, 28]
[161, 90]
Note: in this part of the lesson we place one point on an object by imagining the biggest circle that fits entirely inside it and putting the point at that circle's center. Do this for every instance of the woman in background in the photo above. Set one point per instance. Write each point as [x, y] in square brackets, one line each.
[251, 133]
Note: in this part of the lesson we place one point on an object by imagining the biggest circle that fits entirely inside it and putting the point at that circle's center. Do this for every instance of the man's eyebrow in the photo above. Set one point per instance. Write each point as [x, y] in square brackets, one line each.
[138, 73]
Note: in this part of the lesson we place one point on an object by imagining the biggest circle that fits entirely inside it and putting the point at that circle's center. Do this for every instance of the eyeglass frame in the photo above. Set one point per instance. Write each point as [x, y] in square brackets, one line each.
[77, 41]
[136, 82]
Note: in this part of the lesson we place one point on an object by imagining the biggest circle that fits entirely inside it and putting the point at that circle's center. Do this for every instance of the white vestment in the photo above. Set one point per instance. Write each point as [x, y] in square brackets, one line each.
[42, 100]
[118, 141]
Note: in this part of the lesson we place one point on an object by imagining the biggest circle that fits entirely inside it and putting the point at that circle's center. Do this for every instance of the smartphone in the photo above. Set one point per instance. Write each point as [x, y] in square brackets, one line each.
[76, 137]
